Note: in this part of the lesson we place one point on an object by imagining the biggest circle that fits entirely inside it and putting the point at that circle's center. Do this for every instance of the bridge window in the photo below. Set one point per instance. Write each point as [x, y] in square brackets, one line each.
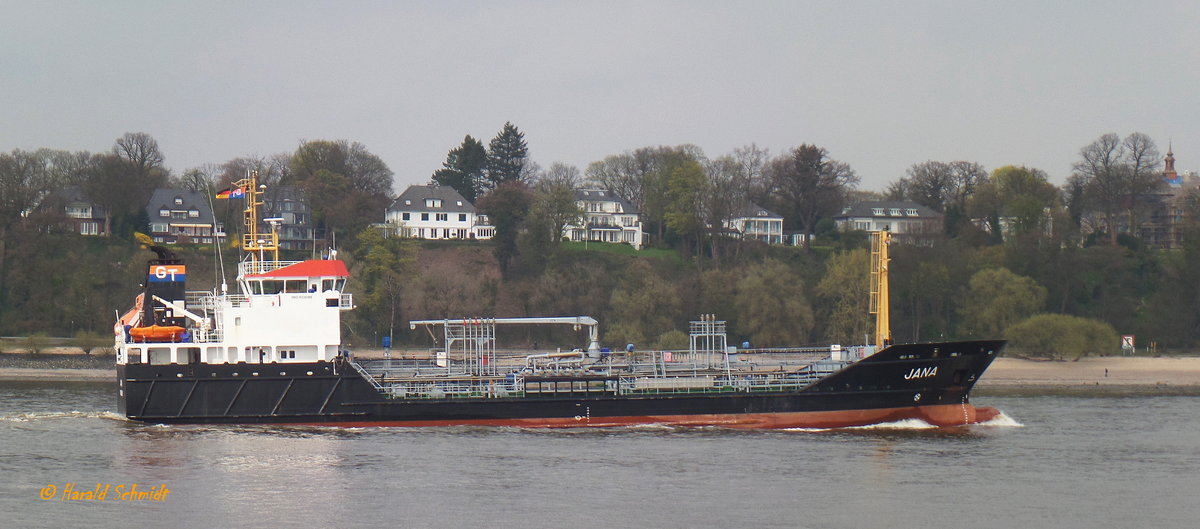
[272, 287]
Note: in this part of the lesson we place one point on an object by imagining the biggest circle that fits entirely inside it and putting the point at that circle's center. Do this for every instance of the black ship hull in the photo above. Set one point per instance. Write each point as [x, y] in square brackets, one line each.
[930, 382]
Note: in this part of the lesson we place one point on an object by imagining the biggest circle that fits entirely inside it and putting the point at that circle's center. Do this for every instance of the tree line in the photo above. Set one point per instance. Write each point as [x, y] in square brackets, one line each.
[1016, 253]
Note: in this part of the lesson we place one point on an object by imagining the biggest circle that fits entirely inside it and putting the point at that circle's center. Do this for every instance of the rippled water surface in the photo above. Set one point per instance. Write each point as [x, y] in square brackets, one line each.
[1051, 461]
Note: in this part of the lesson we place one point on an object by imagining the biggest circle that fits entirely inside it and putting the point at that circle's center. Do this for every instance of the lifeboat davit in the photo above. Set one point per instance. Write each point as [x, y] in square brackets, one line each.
[157, 333]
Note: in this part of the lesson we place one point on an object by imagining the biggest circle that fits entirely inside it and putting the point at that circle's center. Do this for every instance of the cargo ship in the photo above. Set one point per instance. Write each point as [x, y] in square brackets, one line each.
[272, 353]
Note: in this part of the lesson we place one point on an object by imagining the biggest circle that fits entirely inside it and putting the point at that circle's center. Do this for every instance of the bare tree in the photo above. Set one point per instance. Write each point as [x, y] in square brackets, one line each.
[200, 179]
[67, 168]
[641, 177]
[810, 185]
[554, 204]
[752, 163]
[117, 187]
[726, 193]
[24, 183]
[141, 151]
[558, 174]
[940, 186]
[1145, 177]
[620, 174]
[270, 170]
[966, 177]
[1115, 175]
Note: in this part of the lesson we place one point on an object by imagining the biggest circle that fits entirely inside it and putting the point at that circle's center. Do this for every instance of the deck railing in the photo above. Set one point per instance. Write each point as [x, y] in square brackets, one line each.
[254, 267]
[407, 378]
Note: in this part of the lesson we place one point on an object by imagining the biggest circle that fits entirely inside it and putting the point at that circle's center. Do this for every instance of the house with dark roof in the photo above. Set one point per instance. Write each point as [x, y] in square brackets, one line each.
[437, 212]
[753, 222]
[84, 216]
[296, 230]
[180, 216]
[606, 218]
[909, 222]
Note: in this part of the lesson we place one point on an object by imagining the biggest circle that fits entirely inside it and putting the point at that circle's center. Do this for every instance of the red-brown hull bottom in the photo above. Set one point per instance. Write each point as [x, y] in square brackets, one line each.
[938, 415]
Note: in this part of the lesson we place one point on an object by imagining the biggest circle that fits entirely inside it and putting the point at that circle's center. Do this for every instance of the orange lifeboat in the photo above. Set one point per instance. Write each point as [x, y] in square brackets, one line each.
[157, 333]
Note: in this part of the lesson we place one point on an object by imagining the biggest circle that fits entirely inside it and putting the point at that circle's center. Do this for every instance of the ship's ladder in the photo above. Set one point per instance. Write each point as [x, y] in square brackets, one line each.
[368, 376]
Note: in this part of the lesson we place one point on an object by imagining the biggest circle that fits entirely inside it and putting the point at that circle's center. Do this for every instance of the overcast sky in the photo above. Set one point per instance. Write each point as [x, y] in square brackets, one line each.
[880, 85]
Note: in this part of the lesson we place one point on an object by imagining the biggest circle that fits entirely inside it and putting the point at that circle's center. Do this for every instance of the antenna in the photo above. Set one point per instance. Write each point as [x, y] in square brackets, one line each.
[219, 273]
[255, 240]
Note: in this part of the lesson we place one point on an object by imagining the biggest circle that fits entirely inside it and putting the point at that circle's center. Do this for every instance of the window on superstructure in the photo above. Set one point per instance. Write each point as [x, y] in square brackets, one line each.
[433, 202]
[272, 286]
[164, 212]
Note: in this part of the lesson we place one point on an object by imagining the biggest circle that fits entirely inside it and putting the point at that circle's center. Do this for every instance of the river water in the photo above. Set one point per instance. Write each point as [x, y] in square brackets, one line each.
[1050, 461]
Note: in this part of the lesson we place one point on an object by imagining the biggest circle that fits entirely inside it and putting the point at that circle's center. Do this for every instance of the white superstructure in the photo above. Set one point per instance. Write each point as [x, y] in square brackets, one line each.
[287, 312]
[283, 311]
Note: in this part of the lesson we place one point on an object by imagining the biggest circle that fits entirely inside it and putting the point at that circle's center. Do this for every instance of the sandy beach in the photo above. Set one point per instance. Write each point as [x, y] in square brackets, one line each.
[60, 375]
[1174, 375]
[1167, 375]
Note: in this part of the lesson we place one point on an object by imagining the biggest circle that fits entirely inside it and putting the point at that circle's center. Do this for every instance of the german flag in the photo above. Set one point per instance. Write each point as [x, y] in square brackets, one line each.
[231, 192]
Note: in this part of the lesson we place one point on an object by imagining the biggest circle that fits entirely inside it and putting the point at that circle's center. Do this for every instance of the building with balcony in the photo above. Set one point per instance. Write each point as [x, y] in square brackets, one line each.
[84, 216]
[752, 222]
[606, 218]
[296, 229]
[180, 216]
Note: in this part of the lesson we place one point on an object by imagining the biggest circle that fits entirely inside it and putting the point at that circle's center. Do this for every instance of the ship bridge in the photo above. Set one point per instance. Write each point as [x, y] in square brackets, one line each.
[296, 277]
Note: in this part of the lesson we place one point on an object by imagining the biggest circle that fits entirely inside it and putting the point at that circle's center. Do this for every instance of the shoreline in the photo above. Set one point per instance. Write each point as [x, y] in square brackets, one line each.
[1006, 377]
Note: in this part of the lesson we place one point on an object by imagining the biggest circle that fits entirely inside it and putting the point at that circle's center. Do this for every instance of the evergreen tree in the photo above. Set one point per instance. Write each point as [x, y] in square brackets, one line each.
[506, 157]
[464, 169]
[507, 206]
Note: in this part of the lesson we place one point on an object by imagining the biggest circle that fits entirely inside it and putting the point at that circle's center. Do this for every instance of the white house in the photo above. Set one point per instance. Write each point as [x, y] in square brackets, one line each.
[757, 223]
[908, 222]
[606, 218]
[437, 212]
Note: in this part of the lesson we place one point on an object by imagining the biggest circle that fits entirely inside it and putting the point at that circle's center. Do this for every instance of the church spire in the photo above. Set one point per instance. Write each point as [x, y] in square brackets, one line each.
[1169, 173]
